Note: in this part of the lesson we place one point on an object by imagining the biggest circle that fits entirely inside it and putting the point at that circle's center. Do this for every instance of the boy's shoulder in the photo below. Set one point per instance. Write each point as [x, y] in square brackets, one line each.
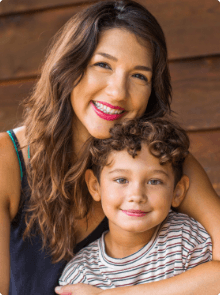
[181, 244]
[74, 270]
[87, 253]
[179, 226]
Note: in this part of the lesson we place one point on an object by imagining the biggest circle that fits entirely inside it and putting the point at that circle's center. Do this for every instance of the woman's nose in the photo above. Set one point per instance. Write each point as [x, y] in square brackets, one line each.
[117, 87]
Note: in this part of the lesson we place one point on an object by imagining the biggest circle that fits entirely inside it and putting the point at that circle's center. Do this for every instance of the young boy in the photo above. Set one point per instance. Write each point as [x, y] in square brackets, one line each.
[137, 176]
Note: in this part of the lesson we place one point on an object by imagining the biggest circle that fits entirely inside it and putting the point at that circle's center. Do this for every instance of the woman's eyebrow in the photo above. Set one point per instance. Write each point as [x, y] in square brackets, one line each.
[141, 68]
[107, 56]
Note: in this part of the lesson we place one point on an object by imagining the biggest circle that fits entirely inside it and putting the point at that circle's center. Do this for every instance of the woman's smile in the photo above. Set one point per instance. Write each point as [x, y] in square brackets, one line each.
[106, 112]
[116, 84]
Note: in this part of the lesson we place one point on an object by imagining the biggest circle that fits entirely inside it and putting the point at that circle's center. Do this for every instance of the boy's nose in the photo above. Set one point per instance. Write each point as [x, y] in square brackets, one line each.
[138, 194]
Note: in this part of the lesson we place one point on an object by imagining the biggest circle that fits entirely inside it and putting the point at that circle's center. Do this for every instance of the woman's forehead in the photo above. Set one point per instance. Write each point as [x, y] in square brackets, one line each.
[120, 42]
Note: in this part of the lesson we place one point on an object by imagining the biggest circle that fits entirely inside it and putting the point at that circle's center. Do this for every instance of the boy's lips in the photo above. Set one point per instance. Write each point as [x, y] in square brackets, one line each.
[137, 213]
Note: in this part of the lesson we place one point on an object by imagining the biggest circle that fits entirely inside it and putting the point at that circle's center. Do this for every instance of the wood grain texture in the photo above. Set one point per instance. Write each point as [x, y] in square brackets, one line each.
[205, 146]
[11, 96]
[13, 6]
[192, 28]
[24, 39]
[196, 92]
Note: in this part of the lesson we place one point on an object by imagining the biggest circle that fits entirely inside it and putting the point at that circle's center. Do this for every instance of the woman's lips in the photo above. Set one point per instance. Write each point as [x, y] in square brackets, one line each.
[136, 213]
[108, 117]
[111, 106]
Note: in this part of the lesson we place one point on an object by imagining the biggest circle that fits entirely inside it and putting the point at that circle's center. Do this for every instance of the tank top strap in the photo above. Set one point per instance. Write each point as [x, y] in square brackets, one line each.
[18, 152]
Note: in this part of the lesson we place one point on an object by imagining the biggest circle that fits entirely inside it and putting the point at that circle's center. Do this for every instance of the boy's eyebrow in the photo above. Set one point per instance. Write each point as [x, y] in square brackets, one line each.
[119, 170]
[127, 170]
[141, 68]
[161, 171]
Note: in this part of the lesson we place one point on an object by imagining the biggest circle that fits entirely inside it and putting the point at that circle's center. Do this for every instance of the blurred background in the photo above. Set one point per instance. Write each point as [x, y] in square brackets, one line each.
[192, 30]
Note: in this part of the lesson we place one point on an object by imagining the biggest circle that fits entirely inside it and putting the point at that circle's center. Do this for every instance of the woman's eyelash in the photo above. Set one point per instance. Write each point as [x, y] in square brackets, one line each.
[102, 65]
[141, 77]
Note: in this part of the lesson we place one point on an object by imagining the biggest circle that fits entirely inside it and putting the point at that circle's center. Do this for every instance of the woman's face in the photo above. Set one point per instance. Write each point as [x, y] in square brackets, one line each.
[116, 84]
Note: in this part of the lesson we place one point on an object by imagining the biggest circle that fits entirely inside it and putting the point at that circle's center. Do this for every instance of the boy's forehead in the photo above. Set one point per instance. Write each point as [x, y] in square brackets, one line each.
[123, 160]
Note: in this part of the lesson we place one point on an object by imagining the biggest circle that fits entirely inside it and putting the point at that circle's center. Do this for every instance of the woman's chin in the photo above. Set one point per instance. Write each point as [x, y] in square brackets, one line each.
[100, 135]
[99, 132]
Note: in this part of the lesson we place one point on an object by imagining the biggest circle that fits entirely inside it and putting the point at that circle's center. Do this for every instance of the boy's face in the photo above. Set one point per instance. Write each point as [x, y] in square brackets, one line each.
[136, 193]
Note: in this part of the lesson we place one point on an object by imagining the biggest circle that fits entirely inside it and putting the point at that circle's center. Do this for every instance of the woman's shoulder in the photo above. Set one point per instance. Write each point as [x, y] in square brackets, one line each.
[10, 175]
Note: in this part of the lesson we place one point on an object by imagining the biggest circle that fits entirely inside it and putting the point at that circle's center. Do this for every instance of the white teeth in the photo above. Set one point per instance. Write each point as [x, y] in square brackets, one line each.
[107, 110]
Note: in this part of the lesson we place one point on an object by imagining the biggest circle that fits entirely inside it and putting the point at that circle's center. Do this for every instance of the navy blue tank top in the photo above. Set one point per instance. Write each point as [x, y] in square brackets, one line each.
[32, 271]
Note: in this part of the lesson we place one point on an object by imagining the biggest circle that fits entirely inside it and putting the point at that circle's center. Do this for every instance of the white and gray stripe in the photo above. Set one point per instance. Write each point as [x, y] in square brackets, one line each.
[181, 243]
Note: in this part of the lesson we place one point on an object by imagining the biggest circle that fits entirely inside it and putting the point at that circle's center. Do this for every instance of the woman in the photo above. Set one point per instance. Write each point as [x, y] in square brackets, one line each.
[108, 64]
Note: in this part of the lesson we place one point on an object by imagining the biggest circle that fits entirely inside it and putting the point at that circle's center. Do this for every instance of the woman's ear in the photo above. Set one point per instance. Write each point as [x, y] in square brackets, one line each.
[180, 191]
[93, 185]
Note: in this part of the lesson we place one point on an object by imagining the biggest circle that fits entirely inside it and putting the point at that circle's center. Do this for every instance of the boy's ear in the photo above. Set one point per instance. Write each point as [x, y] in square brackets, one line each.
[93, 185]
[180, 191]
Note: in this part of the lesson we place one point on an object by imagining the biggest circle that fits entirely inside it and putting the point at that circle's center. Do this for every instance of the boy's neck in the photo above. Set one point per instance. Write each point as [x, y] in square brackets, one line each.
[120, 243]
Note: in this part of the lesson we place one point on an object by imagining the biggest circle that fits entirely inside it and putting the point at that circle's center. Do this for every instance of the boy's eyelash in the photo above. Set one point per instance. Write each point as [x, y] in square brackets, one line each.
[156, 180]
[124, 180]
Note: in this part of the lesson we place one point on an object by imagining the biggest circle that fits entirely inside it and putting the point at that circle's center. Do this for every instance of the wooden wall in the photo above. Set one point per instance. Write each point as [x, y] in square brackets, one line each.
[192, 29]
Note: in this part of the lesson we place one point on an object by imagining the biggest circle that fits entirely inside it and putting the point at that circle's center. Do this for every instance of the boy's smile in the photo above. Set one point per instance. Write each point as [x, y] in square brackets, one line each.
[136, 195]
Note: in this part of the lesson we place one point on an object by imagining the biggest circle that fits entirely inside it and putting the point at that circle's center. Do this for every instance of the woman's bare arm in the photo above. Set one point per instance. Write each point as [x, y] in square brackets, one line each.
[9, 199]
[203, 280]
[202, 203]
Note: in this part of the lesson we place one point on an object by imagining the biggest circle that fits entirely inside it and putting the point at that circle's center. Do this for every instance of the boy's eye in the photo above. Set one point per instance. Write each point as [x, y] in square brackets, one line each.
[154, 181]
[121, 180]
[141, 77]
[102, 65]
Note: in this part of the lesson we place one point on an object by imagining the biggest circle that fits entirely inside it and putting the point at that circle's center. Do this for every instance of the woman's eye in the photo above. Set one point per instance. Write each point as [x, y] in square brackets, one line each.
[141, 77]
[102, 65]
[154, 181]
[121, 180]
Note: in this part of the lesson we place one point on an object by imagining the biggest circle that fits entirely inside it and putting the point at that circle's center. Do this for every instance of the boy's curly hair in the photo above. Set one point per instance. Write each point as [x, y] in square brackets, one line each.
[166, 140]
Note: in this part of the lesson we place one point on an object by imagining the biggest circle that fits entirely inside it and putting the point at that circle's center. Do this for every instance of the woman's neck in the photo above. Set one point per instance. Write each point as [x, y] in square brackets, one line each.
[86, 226]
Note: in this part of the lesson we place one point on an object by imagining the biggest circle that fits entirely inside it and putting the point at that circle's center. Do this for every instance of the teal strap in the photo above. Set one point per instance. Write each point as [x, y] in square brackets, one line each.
[29, 152]
[9, 133]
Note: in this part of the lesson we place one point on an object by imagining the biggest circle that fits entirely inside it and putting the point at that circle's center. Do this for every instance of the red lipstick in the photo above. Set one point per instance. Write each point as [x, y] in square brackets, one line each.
[111, 106]
[136, 213]
[105, 116]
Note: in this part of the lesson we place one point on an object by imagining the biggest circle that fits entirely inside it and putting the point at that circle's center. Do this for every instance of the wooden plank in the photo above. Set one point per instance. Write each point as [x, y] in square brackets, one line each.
[205, 146]
[10, 117]
[11, 95]
[196, 92]
[192, 28]
[24, 40]
[11, 6]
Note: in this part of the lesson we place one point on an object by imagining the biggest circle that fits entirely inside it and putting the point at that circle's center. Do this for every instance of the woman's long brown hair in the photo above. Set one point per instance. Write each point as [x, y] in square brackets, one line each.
[58, 192]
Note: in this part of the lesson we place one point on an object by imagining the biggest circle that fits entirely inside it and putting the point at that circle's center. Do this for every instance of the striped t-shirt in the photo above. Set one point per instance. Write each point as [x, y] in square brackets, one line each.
[180, 243]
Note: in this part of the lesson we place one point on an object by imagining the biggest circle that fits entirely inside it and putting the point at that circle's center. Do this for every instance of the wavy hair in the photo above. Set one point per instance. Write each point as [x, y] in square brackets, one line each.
[58, 192]
[165, 139]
